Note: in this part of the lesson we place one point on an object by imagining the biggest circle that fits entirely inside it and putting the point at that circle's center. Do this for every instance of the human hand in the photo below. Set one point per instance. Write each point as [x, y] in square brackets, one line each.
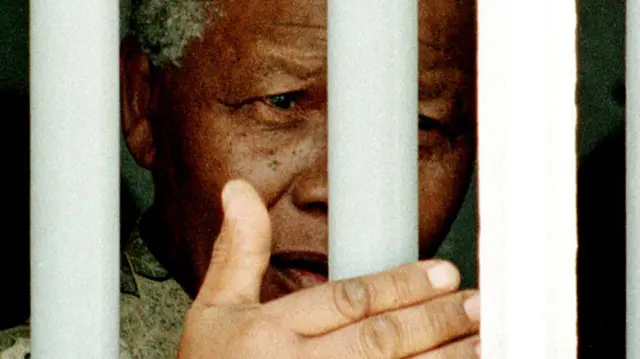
[413, 311]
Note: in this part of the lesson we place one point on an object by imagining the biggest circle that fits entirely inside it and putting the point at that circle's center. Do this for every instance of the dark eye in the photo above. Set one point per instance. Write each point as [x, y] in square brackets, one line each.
[285, 101]
[426, 123]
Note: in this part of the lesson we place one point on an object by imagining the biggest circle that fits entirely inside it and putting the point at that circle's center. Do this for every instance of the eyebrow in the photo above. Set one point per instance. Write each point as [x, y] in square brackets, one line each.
[301, 63]
[298, 67]
[305, 62]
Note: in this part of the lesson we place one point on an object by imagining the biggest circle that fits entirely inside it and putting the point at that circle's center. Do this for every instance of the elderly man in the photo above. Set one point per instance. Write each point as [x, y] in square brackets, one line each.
[225, 103]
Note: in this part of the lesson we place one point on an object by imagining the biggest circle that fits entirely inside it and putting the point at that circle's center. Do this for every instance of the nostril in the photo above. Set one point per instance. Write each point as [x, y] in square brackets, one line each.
[319, 208]
[310, 192]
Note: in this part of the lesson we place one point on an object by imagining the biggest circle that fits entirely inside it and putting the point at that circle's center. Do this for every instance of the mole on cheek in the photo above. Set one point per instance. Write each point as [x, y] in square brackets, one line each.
[273, 164]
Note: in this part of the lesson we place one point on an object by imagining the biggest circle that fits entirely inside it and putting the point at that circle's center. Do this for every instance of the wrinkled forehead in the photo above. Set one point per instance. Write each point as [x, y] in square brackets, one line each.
[439, 20]
[255, 38]
[164, 28]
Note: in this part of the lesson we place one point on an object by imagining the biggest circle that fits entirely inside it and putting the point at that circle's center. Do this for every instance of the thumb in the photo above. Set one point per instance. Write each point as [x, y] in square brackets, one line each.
[241, 253]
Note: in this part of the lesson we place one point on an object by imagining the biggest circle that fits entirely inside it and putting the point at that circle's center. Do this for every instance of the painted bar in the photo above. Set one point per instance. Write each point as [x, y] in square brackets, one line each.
[373, 149]
[527, 178]
[74, 179]
[633, 176]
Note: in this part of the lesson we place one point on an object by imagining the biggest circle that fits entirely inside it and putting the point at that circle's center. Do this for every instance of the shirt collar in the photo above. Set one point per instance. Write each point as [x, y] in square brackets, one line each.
[137, 260]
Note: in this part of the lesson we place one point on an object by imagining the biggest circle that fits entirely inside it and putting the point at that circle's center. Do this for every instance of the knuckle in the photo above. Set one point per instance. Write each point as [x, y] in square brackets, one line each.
[436, 325]
[352, 298]
[401, 282]
[380, 337]
[443, 321]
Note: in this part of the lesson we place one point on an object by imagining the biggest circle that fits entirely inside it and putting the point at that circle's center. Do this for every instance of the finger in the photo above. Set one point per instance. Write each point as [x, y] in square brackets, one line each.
[462, 349]
[333, 305]
[241, 253]
[404, 332]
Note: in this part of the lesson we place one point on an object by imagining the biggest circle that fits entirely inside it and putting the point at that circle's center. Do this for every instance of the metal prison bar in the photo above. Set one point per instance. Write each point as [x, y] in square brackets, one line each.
[527, 178]
[633, 176]
[74, 89]
[372, 129]
[74, 72]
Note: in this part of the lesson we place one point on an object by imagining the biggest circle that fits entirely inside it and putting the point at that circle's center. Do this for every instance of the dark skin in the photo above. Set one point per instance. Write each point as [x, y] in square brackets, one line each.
[249, 101]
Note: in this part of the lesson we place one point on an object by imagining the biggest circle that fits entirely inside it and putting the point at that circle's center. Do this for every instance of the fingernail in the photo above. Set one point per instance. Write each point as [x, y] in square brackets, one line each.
[472, 307]
[443, 275]
[228, 192]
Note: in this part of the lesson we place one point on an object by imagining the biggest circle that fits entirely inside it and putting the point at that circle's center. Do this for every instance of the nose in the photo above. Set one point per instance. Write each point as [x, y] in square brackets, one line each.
[310, 193]
[311, 187]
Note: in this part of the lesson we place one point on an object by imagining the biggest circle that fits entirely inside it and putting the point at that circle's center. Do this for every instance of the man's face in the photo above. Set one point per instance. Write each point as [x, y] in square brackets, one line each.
[249, 101]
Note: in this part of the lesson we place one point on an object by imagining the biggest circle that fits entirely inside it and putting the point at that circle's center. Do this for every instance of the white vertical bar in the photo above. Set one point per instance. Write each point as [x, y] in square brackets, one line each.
[74, 179]
[633, 176]
[373, 94]
[527, 178]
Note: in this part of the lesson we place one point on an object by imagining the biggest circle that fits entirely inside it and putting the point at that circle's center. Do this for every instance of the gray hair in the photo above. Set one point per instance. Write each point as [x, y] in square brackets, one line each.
[163, 28]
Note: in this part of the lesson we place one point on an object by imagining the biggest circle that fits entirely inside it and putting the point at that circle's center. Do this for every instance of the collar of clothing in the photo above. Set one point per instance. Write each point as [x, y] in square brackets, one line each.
[137, 260]
[152, 306]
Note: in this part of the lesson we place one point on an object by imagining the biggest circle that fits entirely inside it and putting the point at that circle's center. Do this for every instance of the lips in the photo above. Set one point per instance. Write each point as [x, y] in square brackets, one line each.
[301, 269]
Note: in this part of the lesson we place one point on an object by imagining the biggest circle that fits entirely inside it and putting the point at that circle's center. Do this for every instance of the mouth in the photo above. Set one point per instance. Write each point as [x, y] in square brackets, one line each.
[301, 269]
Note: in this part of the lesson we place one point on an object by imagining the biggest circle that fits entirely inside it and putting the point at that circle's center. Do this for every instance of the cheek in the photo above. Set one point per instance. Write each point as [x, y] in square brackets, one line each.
[217, 147]
[435, 195]
[224, 147]
[202, 153]
[272, 161]
[443, 180]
